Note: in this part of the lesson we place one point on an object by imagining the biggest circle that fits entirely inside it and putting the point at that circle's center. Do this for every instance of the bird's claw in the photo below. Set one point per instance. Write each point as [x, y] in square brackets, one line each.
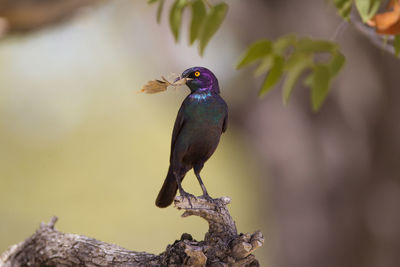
[188, 196]
[207, 197]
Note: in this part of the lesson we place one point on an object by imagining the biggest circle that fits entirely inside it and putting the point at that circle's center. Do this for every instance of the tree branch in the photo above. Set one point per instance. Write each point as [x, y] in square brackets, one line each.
[222, 246]
[20, 16]
[378, 40]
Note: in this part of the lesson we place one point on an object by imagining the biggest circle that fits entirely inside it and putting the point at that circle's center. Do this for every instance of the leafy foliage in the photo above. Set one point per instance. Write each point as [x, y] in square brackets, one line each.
[287, 58]
[386, 22]
[291, 57]
[343, 8]
[199, 12]
[205, 22]
[366, 8]
[255, 51]
[211, 24]
[175, 17]
[159, 10]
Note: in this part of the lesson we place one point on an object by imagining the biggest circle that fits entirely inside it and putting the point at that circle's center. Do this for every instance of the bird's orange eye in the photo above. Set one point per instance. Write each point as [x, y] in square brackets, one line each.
[197, 73]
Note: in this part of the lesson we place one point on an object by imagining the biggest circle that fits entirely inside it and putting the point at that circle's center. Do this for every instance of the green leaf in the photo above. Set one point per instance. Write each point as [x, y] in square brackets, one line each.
[198, 15]
[175, 17]
[320, 83]
[256, 51]
[212, 22]
[367, 8]
[396, 44]
[308, 80]
[159, 10]
[307, 45]
[293, 57]
[151, 1]
[375, 4]
[264, 66]
[344, 8]
[295, 66]
[282, 44]
[336, 63]
[274, 75]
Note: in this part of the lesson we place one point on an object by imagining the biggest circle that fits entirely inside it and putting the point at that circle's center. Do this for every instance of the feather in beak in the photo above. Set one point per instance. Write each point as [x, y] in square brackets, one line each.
[156, 86]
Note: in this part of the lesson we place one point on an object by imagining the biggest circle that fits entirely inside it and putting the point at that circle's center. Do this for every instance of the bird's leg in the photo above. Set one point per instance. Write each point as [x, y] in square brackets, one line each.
[182, 192]
[203, 187]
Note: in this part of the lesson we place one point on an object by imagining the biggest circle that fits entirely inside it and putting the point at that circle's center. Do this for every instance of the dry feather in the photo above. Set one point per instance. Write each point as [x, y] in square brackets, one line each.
[156, 86]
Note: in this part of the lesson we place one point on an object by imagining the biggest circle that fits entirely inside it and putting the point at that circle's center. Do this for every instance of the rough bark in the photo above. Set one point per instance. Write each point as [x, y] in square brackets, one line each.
[222, 246]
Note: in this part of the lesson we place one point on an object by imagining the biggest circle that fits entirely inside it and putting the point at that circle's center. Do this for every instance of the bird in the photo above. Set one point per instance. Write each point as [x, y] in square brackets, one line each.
[201, 120]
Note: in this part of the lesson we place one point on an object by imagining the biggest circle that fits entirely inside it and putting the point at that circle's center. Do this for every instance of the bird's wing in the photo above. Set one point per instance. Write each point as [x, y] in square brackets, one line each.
[177, 127]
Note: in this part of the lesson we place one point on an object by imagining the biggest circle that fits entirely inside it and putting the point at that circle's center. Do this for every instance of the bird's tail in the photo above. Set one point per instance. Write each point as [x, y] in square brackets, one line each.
[168, 191]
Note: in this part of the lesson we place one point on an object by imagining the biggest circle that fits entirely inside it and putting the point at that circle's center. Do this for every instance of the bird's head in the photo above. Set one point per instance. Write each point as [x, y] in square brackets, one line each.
[200, 79]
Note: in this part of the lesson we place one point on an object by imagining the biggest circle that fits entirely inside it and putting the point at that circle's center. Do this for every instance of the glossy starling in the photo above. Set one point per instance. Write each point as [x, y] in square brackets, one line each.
[201, 120]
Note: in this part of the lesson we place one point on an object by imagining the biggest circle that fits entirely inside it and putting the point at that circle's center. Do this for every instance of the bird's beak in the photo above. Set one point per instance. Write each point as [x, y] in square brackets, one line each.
[184, 75]
[184, 78]
[177, 79]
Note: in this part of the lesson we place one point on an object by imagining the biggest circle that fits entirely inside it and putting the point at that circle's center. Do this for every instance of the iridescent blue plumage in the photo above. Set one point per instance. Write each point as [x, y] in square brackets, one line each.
[200, 122]
[200, 97]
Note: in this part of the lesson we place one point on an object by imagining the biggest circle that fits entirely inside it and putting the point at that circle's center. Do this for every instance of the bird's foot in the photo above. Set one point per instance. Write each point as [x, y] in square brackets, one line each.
[207, 197]
[188, 196]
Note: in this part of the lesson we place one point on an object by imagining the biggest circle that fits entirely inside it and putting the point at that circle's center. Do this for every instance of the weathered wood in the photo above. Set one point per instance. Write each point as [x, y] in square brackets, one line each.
[222, 246]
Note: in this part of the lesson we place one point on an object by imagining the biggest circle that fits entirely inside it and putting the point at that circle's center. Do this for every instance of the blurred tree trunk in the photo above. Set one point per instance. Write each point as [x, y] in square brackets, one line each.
[333, 175]
[29, 15]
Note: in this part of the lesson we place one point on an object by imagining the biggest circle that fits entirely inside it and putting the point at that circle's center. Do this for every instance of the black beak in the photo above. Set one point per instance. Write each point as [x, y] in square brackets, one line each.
[184, 75]
[177, 79]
